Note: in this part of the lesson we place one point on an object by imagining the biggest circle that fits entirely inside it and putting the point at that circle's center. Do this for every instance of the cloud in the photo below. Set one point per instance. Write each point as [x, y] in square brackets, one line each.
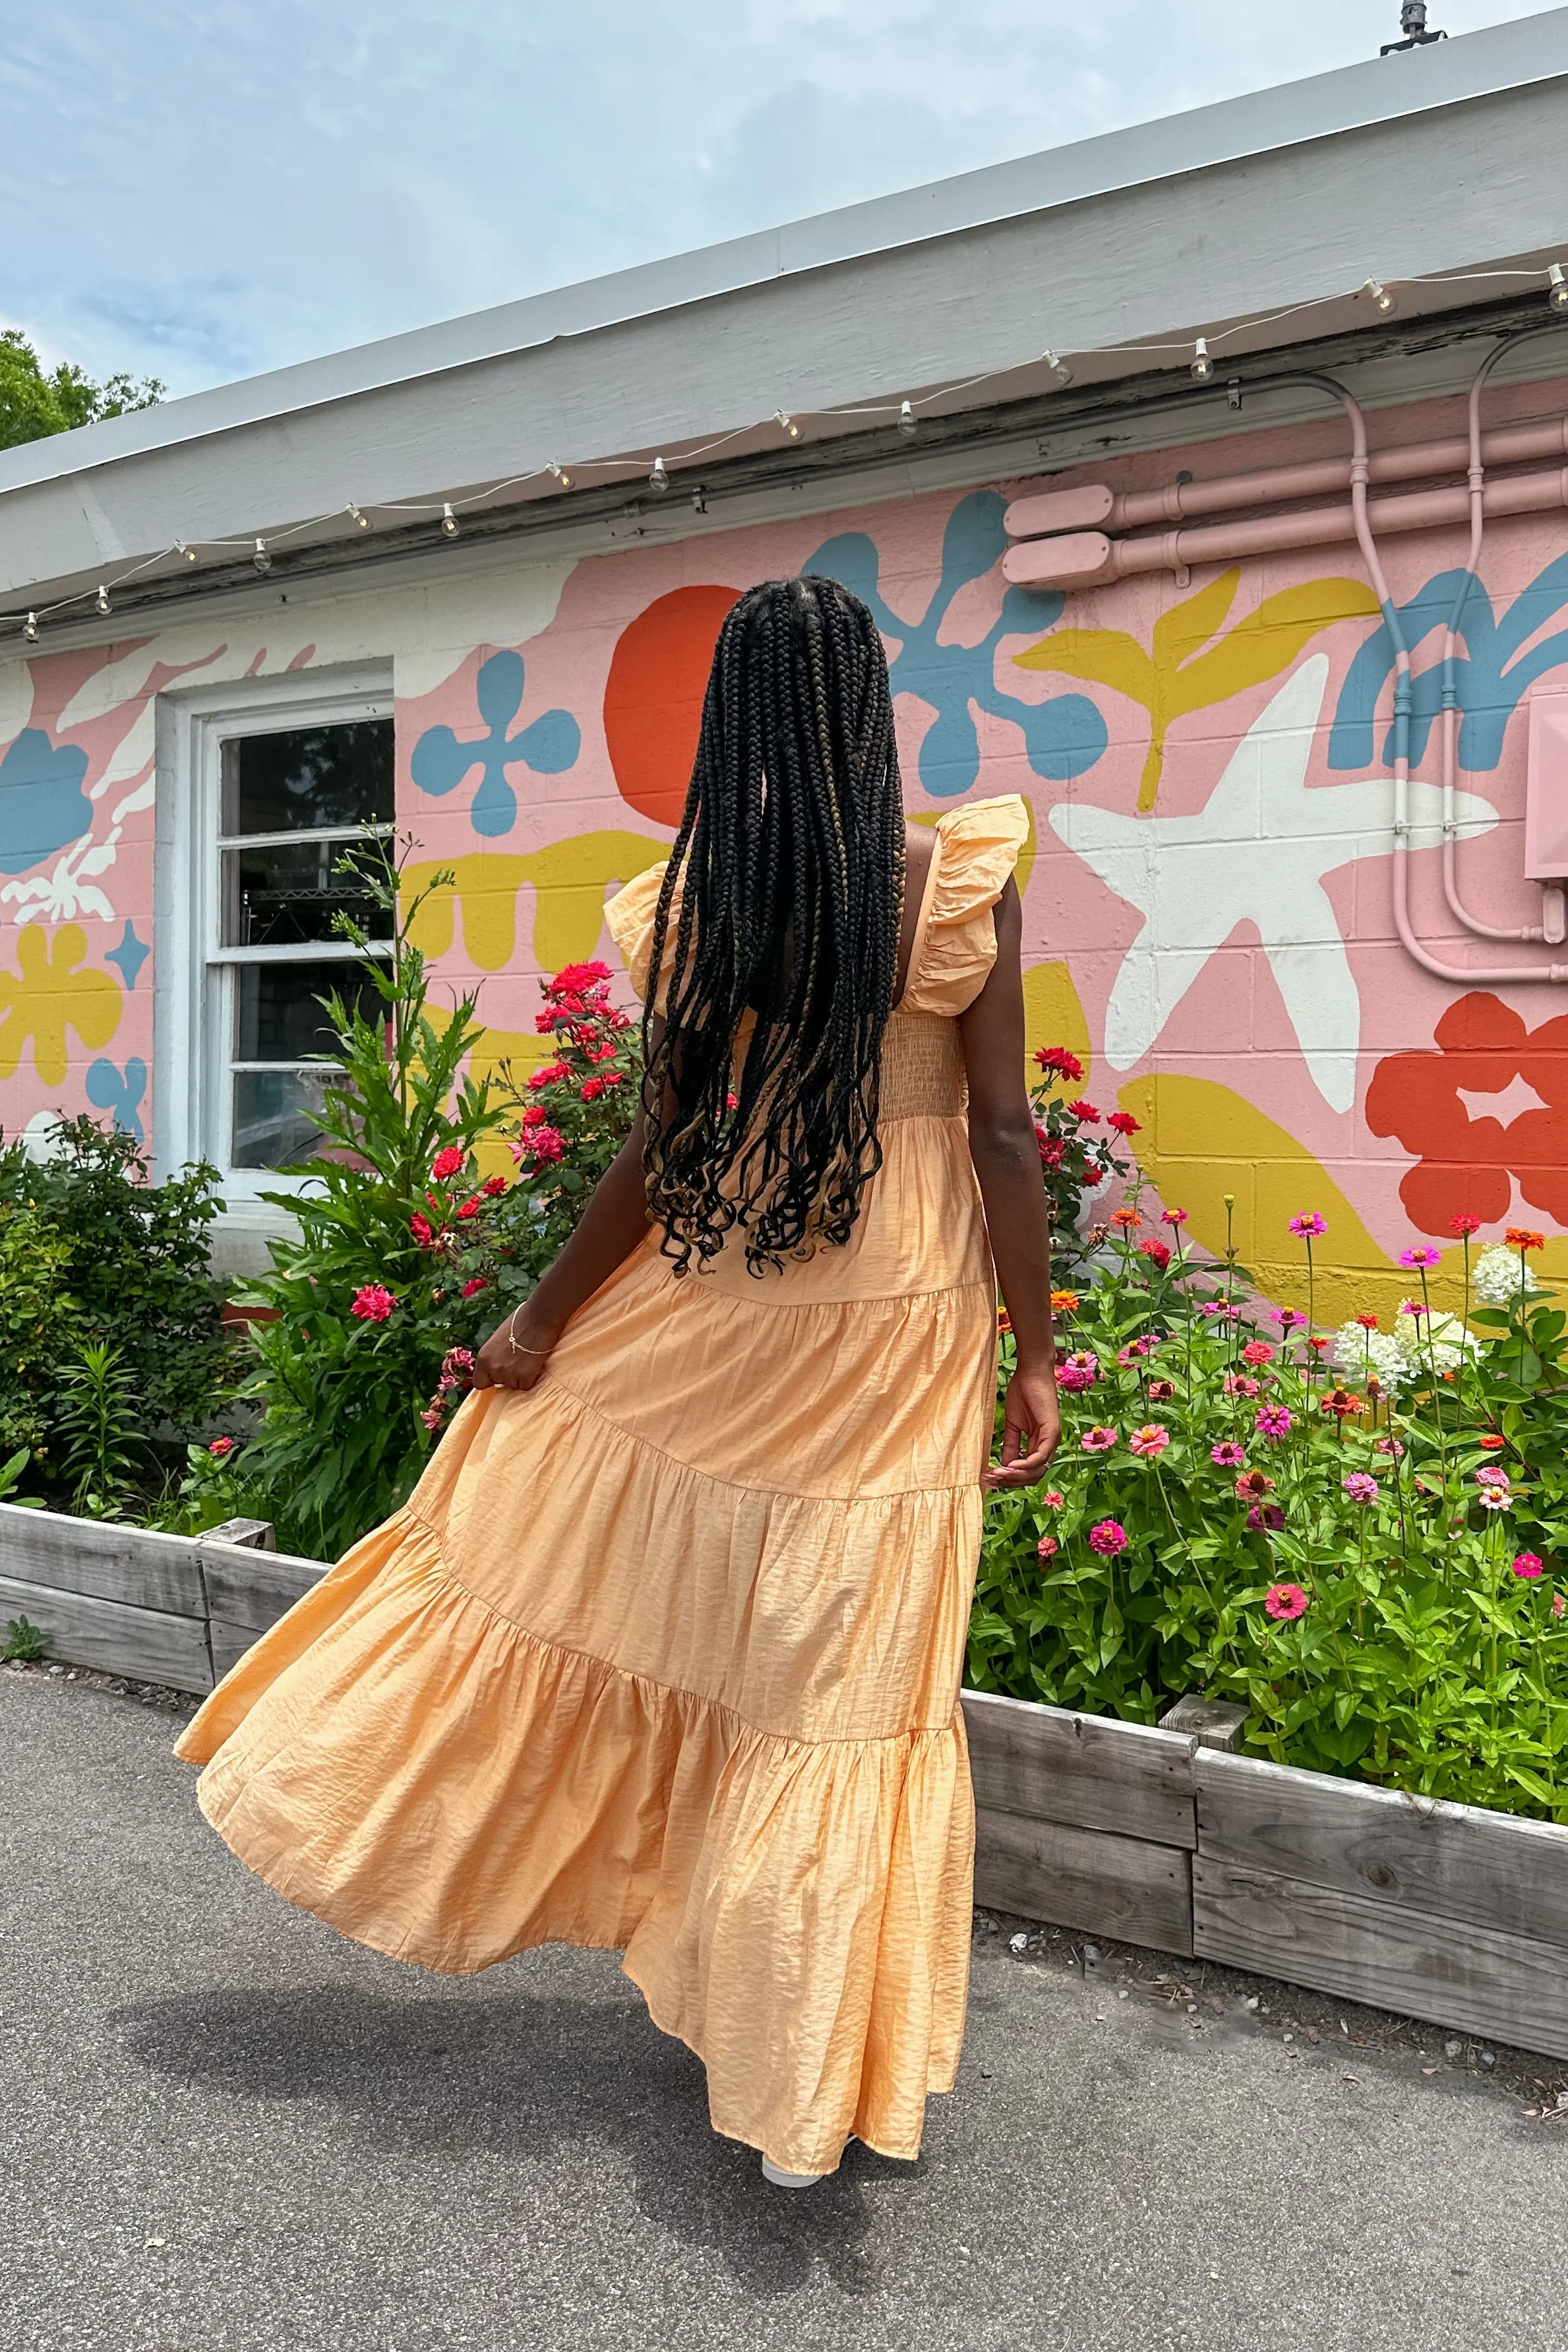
[205, 188]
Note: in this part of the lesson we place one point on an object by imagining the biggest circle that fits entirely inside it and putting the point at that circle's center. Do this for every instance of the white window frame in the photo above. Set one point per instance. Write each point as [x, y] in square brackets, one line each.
[192, 996]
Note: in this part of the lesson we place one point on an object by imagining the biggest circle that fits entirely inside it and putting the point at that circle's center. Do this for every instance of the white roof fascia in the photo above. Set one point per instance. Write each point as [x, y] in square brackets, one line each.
[1507, 57]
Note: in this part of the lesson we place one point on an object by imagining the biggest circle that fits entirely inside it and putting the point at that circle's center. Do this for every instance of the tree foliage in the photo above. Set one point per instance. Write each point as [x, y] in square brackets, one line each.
[35, 402]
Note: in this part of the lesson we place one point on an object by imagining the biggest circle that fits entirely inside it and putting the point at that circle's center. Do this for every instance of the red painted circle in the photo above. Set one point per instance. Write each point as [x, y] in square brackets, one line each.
[653, 698]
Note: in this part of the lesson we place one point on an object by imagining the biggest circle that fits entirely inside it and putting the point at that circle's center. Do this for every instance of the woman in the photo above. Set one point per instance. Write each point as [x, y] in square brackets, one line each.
[663, 1654]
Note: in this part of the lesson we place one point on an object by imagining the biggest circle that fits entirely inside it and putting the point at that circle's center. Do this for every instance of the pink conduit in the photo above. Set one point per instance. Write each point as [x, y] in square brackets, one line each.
[1093, 507]
[1088, 559]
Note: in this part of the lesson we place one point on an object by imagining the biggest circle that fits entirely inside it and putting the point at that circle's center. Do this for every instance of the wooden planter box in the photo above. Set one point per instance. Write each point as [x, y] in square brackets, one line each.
[177, 1610]
[1441, 1911]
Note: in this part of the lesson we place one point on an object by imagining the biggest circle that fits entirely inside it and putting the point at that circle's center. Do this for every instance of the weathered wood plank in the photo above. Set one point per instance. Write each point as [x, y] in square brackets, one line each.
[151, 1644]
[1052, 1765]
[1453, 1971]
[1212, 1722]
[255, 1535]
[254, 1588]
[1118, 1886]
[1456, 1862]
[228, 1644]
[131, 1565]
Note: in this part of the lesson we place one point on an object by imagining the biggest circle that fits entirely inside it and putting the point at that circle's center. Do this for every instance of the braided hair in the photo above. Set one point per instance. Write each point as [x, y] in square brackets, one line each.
[782, 902]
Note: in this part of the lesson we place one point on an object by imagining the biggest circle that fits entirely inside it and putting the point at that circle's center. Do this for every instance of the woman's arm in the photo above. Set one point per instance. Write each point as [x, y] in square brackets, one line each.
[615, 1221]
[1007, 1159]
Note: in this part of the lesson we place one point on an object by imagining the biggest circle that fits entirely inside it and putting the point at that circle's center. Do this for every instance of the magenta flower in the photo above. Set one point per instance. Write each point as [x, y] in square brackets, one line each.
[431, 1416]
[1080, 1371]
[1528, 1564]
[1361, 1486]
[1172, 1216]
[1309, 1226]
[373, 1302]
[544, 1144]
[1047, 1547]
[1239, 1384]
[1391, 1445]
[1268, 1516]
[1285, 1602]
[1489, 1477]
[1287, 1318]
[1107, 1539]
[1098, 1441]
[1419, 1257]
[1229, 1456]
[1150, 1441]
[1412, 1306]
[1557, 1604]
[1272, 1421]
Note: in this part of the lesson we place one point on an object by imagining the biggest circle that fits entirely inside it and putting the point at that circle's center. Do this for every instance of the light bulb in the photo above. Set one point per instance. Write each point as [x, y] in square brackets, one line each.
[658, 478]
[30, 628]
[907, 419]
[262, 560]
[1203, 366]
[1557, 286]
[363, 520]
[787, 424]
[188, 553]
[103, 603]
[1382, 300]
[449, 524]
[1058, 367]
[561, 475]
[700, 501]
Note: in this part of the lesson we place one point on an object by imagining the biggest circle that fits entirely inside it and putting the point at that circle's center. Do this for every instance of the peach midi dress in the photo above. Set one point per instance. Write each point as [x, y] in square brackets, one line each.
[663, 1656]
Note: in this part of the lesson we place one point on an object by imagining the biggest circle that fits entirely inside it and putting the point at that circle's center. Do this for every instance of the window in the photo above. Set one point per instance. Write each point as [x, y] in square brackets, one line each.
[267, 790]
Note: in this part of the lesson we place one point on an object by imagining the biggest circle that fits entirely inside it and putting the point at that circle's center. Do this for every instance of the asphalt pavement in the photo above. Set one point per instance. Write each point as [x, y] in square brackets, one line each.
[222, 2126]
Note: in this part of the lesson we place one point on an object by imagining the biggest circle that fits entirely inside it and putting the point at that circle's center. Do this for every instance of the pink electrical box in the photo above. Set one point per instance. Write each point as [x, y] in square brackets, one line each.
[1546, 787]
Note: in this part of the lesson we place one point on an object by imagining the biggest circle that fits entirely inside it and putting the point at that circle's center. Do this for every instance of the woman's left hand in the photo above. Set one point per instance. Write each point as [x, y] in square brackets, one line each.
[515, 1354]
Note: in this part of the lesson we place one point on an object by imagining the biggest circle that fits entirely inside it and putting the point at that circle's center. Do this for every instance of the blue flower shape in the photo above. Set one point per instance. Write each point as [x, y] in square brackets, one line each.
[1490, 674]
[107, 1090]
[548, 745]
[1062, 737]
[42, 805]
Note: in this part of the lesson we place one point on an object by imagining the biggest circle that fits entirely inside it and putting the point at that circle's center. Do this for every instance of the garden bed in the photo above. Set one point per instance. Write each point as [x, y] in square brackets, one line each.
[1441, 1911]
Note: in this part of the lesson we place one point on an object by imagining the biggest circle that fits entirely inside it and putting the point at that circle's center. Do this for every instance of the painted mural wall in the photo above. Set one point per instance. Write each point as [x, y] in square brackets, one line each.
[1207, 892]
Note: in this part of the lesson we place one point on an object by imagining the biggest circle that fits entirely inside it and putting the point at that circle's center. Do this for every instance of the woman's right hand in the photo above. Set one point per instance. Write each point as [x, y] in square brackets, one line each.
[1031, 1431]
[515, 1354]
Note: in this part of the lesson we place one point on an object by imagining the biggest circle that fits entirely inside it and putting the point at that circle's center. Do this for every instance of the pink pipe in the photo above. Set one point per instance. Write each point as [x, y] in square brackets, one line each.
[1475, 493]
[1092, 505]
[1088, 559]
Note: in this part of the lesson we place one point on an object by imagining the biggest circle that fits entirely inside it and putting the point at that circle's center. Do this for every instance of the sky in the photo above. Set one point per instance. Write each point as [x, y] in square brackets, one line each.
[204, 189]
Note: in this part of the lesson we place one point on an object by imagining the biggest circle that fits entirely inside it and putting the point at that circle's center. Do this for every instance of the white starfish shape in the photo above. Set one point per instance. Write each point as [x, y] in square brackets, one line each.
[1256, 853]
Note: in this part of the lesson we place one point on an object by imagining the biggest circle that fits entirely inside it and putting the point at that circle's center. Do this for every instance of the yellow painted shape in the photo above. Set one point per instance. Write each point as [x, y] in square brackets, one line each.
[569, 879]
[48, 995]
[1200, 1142]
[1053, 1016]
[1025, 865]
[1177, 676]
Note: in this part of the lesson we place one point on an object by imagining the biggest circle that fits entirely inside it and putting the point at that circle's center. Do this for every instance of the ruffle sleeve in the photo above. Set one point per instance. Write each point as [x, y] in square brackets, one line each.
[630, 915]
[977, 849]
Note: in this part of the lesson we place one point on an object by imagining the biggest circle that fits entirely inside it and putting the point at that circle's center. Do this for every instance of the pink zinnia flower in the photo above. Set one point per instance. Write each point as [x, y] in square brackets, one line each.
[1285, 1602]
[1098, 1441]
[1258, 1351]
[1419, 1257]
[1495, 1498]
[1080, 1371]
[1253, 1485]
[1052, 1498]
[1361, 1486]
[1272, 1421]
[1412, 1306]
[1047, 1547]
[220, 1446]
[1150, 1441]
[1309, 1226]
[1528, 1564]
[447, 1162]
[1134, 1352]
[373, 1302]
[1162, 1392]
[1557, 1604]
[1287, 1318]
[1238, 1384]
[1486, 1476]
[1172, 1216]
[1157, 1252]
[1392, 1446]
[1463, 1224]
[1267, 1516]
[1107, 1539]
[1229, 1456]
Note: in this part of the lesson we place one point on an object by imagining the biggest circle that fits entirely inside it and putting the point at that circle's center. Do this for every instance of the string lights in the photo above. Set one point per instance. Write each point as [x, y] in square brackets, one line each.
[903, 413]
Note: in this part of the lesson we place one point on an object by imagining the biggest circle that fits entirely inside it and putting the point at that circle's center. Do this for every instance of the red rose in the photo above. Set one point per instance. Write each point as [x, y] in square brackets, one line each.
[492, 1185]
[447, 1162]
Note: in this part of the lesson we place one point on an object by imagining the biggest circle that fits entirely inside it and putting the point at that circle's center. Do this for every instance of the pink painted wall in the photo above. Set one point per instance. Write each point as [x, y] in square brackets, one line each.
[1209, 931]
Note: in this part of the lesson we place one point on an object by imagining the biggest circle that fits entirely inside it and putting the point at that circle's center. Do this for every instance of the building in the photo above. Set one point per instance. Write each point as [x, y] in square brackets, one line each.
[1050, 419]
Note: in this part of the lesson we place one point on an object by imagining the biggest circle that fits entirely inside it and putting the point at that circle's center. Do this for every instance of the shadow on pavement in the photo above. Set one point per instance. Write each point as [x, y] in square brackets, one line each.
[524, 2079]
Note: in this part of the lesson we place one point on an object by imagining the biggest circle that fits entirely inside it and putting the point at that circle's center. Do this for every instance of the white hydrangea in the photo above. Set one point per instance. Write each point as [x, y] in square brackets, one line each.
[1358, 1351]
[1499, 1276]
[1445, 1345]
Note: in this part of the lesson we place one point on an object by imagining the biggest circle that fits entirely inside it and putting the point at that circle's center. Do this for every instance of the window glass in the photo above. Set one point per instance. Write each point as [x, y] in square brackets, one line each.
[276, 1015]
[286, 894]
[272, 1122]
[309, 778]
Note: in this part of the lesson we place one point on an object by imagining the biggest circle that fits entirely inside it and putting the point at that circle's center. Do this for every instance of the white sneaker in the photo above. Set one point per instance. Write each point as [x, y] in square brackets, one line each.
[782, 2180]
